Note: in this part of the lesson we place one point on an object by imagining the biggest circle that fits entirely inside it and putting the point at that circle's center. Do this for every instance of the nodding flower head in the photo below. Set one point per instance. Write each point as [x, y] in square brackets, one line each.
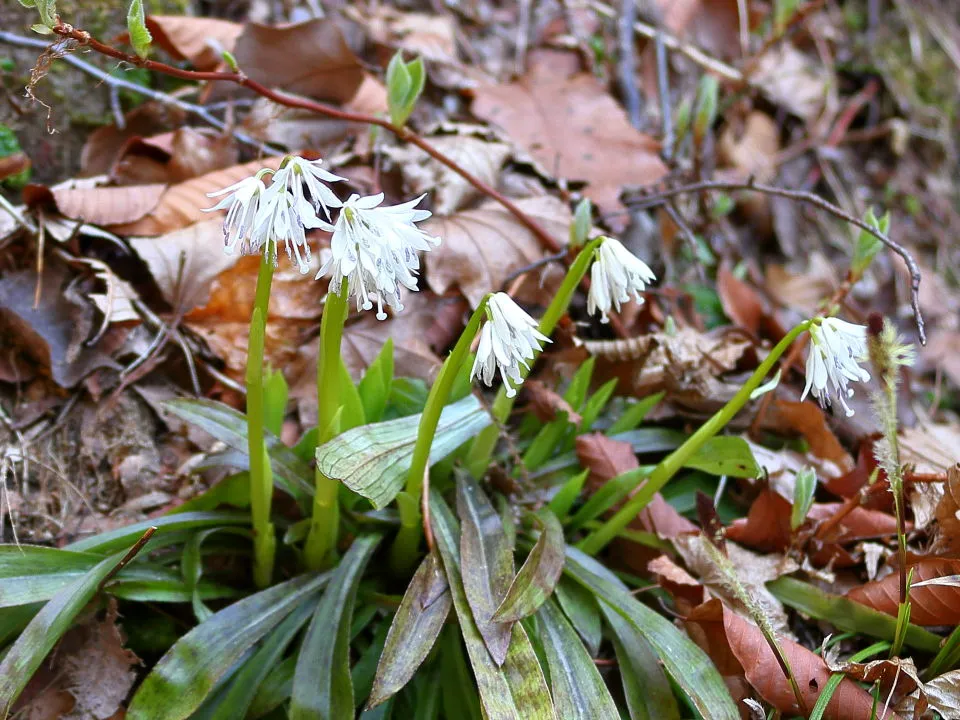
[376, 248]
[242, 202]
[285, 218]
[508, 339]
[297, 175]
[836, 350]
[615, 276]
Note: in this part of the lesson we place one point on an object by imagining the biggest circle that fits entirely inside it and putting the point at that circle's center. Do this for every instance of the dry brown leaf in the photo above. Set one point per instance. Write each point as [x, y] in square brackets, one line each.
[898, 675]
[105, 144]
[91, 201]
[943, 694]
[751, 148]
[710, 24]
[185, 263]
[325, 67]
[930, 447]
[807, 419]
[199, 40]
[741, 302]
[686, 590]
[930, 604]
[547, 404]
[738, 647]
[182, 204]
[804, 291]
[790, 79]
[482, 247]
[421, 173]
[947, 514]
[753, 572]
[574, 129]
[943, 351]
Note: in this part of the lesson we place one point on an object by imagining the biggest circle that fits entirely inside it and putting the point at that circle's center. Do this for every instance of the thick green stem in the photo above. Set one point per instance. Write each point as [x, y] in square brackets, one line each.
[407, 542]
[478, 459]
[669, 466]
[261, 479]
[324, 525]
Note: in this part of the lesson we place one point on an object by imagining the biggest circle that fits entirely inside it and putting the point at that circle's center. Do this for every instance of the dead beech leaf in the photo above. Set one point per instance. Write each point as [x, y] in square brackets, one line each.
[947, 514]
[185, 263]
[804, 291]
[482, 247]
[199, 40]
[105, 144]
[547, 404]
[183, 204]
[826, 453]
[325, 67]
[105, 205]
[752, 147]
[686, 590]
[732, 641]
[574, 129]
[943, 694]
[930, 604]
[710, 24]
[930, 447]
[421, 173]
[898, 675]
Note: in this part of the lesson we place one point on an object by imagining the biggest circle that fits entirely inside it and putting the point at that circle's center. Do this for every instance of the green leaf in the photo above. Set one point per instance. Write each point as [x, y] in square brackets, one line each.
[706, 113]
[518, 688]
[292, 475]
[576, 394]
[140, 37]
[542, 446]
[595, 405]
[582, 222]
[567, 495]
[583, 612]
[725, 455]
[124, 537]
[322, 686]
[460, 695]
[375, 385]
[275, 689]
[47, 10]
[803, 491]
[645, 685]
[539, 574]
[13, 620]
[47, 626]
[239, 694]
[405, 83]
[353, 414]
[868, 245]
[193, 667]
[414, 629]
[373, 460]
[579, 692]
[609, 494]
[364, 670]
[39, 560]
[191, 567]
[689, 666]
[847, 614]
[486, 563]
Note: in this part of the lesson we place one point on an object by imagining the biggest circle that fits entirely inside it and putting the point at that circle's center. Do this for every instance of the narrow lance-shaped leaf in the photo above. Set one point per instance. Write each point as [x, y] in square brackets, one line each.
[539, 574]
[689, 666]
[579, 692]
[43, 631]
[583, 612]
[486, 564]
[499, 691]
[645, 685]
[122, 538]
[373, 460]
[183, 678]
[322, 686]
[414, 629]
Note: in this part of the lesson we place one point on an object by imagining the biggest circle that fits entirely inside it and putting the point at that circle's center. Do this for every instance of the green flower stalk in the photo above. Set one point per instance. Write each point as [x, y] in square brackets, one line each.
[616, 276]
[261, 477]
[509, 340]
[669, 466]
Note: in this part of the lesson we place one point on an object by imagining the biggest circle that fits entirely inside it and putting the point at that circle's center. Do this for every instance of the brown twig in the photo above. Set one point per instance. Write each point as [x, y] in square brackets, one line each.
[130, 555]
[238, 78]
[660, 196]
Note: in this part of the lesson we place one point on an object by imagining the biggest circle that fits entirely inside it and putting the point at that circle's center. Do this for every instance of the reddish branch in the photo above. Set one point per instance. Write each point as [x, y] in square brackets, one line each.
[238, 78]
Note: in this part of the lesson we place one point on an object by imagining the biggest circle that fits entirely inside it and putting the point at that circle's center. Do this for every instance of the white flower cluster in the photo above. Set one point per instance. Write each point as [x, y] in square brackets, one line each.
[836, 349]
[374, 247]
[616, 275]
[508, 340]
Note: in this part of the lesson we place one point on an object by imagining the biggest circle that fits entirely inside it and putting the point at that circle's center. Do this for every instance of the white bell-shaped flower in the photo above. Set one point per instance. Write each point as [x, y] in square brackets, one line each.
[836, 349]
[284, 217]
[242, 202]
[377, 249]
[508, 340]
[297, 174]
[615, 276]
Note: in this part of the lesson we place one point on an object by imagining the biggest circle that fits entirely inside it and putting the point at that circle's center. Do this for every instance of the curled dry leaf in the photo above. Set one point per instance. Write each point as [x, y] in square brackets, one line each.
[686, 590]
[947, 514]
[182, 204]
[105, 144]
[740, 651]
[709, 24]
[325, 68]
[943, 694]
[199, 40]
[896, 675]
[174, 157]
[930, 604]
[482, 247]
[547, 404]
[789, 79]
[573, 128]
[803, 291]
[807, 419]
[930, 447]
